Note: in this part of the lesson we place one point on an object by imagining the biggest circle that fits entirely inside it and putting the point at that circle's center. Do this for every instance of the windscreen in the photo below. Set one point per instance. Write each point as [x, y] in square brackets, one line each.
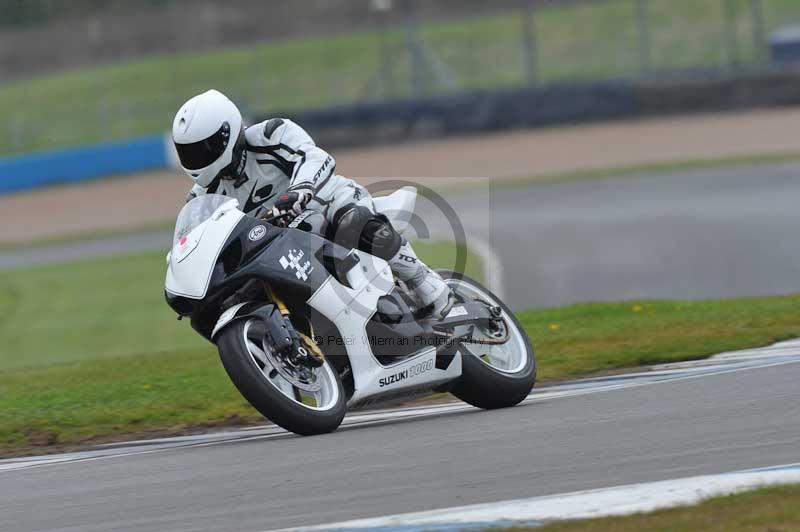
[196, 212]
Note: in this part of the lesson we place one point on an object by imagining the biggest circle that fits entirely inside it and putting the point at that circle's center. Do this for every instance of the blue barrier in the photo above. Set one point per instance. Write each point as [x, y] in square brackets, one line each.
[82, 163]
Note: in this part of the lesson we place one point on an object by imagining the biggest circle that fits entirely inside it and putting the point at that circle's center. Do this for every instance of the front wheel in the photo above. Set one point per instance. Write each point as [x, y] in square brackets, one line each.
[494, 375]
[308, 402]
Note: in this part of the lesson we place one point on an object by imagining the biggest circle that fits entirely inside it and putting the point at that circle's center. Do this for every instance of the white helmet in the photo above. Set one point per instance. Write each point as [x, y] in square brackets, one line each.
[202, 133]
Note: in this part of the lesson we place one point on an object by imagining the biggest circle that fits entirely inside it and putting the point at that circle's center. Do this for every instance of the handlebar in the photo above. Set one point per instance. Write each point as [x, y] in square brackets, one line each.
[269, 217]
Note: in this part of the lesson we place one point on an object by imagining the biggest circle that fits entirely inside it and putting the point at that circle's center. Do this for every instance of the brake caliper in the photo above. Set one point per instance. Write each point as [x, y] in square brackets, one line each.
[311, 351]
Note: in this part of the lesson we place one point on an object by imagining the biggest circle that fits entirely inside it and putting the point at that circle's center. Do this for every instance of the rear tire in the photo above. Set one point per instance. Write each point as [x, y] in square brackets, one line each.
[254, 384]
[481, 384]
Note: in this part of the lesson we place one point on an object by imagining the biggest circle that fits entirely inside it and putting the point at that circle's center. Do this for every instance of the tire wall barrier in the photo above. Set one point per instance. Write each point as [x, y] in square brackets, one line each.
[455, 114]
[482, 112]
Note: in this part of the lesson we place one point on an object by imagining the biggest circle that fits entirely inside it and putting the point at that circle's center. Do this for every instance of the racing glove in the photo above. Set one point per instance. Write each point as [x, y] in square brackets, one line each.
[293, 201]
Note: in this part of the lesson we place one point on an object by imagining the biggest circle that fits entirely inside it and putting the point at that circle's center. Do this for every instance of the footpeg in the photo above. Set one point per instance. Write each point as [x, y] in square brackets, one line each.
[427, 312]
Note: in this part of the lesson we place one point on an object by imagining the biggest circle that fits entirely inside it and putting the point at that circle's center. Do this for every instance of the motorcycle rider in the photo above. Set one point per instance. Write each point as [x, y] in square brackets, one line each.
[275, 164]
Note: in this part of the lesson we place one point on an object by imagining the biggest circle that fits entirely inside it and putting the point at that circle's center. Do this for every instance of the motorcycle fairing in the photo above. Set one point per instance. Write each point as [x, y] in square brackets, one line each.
[189, 274]
[350, 308]
[269, 260]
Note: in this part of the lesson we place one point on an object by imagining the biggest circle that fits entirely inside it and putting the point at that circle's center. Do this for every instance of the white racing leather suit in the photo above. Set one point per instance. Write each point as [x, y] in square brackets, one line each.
[281, 156]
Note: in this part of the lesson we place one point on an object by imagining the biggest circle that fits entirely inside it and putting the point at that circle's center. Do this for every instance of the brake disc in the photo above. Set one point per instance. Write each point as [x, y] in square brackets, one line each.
[302, 376]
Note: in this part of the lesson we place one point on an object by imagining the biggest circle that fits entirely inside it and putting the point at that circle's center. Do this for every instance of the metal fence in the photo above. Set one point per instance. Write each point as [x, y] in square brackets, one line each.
[544, 42]
[400, 49]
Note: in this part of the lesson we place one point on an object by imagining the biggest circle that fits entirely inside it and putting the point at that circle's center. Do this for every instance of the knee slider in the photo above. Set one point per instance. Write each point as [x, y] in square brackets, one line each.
[348, 224]
[358, 227]
[380, 238]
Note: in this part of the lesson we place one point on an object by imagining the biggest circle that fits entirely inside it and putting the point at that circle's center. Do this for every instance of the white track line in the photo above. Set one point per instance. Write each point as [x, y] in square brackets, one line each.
[774, 355]
[621, 500]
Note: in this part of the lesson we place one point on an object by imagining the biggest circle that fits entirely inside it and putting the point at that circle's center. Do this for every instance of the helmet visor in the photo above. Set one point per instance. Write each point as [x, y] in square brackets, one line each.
[197, 155]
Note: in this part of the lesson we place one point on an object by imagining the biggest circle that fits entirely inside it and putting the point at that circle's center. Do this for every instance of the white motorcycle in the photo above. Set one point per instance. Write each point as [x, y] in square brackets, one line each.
[307, 329]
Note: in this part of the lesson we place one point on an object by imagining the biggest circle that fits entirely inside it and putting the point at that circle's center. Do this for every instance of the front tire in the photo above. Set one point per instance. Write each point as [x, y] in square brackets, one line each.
[486, 381]
[249, 366]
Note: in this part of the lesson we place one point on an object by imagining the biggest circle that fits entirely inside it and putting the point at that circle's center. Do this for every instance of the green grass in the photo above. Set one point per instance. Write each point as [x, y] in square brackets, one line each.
[774, 509]
[141, 96]
[584, 338]
[91, 350]
[86, 311]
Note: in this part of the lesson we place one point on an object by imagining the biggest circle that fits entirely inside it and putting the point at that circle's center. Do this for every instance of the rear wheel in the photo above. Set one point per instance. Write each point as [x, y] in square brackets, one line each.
[302, 400]
[500, 369]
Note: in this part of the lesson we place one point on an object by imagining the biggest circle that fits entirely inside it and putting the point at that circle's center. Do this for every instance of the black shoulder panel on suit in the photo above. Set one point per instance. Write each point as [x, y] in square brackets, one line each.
[271, 125]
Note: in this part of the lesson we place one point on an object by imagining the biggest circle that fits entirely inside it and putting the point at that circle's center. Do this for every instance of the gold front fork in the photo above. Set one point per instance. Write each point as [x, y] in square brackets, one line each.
[275, 299]
[306, 339]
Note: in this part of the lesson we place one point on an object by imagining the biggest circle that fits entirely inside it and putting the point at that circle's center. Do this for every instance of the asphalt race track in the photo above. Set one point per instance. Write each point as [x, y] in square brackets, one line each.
[697, 234]
[684, 425]
[709, 233]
